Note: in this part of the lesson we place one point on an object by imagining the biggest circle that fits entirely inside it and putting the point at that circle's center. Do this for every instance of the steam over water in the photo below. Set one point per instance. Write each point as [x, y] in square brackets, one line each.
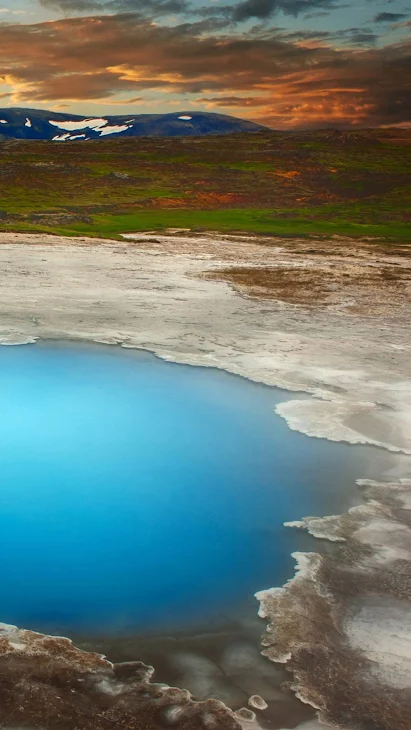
[139, 495]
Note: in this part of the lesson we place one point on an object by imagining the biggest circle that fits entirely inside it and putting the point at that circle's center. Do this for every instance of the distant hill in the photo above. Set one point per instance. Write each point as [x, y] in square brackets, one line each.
[20, 123]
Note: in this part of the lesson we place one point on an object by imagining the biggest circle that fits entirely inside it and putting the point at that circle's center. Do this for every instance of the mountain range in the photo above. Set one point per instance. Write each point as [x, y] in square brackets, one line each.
[21, 123]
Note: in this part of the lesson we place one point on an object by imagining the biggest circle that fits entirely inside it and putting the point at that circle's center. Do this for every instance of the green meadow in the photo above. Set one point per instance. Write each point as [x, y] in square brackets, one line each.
[283, 184]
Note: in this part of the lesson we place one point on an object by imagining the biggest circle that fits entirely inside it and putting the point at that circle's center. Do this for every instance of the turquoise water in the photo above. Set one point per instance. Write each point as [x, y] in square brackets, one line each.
[140, 495]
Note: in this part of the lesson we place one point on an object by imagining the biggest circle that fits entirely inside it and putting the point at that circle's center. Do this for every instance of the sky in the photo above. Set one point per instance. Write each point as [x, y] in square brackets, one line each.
[288, 64]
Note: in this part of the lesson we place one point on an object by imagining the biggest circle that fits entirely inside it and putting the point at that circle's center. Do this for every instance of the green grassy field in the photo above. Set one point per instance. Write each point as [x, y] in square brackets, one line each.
[286, 184]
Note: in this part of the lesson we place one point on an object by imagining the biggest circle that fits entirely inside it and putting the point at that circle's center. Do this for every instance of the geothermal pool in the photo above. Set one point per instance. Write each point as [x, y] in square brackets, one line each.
[138, 495]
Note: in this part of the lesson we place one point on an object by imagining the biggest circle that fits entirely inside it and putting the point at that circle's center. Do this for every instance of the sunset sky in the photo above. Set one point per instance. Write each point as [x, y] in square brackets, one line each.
[285, 63]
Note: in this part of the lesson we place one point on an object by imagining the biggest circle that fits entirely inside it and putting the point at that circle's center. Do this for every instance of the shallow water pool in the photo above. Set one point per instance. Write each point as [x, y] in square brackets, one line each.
[138, 495]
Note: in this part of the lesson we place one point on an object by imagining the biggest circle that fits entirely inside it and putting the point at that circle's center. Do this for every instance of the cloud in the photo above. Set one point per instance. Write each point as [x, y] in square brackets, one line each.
[73, 6]
[362, 38]
[389, 17]
[317, 14]
[286, 82]
[238, 102]
[236, 13]
[266, 8]
[154, 8]
[347, 36]
[12, 12]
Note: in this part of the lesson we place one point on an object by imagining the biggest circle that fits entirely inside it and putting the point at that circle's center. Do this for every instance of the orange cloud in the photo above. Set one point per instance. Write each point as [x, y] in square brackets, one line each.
[287, 84]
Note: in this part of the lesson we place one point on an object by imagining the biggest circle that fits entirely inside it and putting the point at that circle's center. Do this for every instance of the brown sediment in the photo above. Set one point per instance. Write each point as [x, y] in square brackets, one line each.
[342, 625]
[46, 682]
[360, 287]
[223, 662]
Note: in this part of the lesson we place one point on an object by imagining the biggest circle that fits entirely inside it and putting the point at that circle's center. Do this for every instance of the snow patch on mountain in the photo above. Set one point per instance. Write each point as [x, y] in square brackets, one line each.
[82, 124]
[114, 129]
[97, 125]
[68, 136]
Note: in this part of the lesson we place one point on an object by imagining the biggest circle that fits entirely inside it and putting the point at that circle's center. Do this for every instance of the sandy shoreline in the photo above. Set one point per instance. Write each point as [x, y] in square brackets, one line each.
[152, 293]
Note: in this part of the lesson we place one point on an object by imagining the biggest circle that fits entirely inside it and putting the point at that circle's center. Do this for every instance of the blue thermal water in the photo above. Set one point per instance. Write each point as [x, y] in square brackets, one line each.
[137, 494]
